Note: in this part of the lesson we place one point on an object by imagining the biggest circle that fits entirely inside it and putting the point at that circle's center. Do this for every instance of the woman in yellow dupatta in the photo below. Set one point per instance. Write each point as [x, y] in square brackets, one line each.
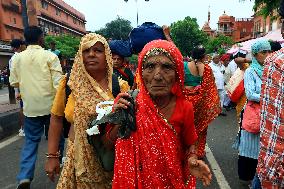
[90, 82]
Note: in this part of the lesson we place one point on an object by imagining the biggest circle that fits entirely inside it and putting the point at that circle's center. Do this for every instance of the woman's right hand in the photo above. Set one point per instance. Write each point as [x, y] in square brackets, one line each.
[52, 168]
[120, 101]
[200, 170]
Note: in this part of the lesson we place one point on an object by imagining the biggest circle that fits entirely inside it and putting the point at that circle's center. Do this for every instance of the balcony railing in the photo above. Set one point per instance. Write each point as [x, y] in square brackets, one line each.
[226, 32]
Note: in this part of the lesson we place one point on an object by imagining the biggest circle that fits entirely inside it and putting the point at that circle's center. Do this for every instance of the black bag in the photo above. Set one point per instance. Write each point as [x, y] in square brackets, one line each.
[143, 34]
[126, 120]
[105, 154]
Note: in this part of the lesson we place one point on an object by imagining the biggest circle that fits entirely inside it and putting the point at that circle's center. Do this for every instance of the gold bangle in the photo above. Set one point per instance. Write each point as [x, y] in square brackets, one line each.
[52, 156]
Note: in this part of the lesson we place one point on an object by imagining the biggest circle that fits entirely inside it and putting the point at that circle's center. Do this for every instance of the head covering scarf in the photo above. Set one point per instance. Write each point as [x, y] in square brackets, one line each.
[258, 46]
[87, 93]
[151, 157]
[240, 53]
[225, 57]
[162, 47]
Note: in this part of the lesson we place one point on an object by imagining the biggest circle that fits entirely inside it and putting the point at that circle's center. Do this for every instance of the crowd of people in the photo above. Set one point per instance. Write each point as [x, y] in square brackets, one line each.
[177, 98]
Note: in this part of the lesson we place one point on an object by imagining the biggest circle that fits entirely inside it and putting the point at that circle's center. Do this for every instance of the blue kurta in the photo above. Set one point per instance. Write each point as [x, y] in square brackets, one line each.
[249, 142]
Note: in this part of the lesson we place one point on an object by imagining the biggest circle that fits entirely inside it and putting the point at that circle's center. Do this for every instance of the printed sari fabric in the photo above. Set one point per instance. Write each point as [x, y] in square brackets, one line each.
[82, 168]
[153, 156]
[206, 103]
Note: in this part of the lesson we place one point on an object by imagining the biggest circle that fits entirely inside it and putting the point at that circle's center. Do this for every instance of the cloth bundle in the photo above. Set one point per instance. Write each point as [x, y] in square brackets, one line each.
[235, 88]
[123, 117]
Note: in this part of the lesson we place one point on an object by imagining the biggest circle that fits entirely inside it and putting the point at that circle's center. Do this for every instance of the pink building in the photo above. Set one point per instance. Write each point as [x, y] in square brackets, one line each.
[54, 16]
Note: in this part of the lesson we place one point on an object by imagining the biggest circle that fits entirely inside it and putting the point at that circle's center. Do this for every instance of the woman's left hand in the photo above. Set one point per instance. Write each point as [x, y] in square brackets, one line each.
[120, 101]
[200, 170]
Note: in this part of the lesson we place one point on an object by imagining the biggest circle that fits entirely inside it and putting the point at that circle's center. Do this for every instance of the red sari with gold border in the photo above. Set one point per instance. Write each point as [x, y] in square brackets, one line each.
[206, 103]
[154, 155]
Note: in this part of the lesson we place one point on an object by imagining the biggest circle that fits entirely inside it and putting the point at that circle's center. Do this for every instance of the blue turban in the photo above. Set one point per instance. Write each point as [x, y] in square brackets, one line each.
[120, 47]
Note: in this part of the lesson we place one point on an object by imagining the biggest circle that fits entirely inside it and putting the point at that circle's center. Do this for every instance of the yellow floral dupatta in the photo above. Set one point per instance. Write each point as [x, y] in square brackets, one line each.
[87, 93]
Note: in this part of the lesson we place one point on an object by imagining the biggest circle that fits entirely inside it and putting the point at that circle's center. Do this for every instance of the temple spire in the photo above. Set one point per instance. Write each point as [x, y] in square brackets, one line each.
[208, 14]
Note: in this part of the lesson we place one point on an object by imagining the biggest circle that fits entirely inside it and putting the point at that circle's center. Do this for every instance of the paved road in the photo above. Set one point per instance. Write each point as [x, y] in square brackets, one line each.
[5, 106]
[4, 95]
[220, 155]
[9, 158]
[221, 135]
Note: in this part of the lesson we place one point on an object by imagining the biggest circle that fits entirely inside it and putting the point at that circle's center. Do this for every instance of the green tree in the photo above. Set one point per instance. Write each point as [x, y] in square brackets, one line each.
[219, 44]
[67, 44]
[116, 29]
[265, 7]
[187, 35]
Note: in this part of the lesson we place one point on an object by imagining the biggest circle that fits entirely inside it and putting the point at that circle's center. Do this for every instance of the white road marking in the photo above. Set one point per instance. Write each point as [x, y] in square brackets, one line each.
[221, 180]
[9, 141]
[10, 186]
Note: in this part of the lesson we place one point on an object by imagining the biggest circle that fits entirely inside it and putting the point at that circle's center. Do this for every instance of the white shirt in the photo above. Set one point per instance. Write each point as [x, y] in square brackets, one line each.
[227, 74]
[37, 72]
[218, 70]
[232, 66]
[17, 91]
[11, 59]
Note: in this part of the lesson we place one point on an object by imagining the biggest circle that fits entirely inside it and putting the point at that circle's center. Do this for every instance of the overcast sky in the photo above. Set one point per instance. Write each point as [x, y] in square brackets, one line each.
[100, 12]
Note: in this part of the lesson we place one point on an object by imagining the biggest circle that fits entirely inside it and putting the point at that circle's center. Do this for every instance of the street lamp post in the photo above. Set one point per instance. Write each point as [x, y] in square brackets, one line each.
[137, 15]
[25, 13]
[11, 90]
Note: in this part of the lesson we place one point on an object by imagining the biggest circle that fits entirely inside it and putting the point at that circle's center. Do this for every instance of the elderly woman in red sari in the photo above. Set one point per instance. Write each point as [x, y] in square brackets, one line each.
[161, 152]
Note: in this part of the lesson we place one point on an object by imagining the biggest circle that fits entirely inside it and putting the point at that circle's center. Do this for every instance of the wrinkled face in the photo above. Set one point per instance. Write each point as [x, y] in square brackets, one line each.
[216, 59]
[261, 56]
[94, 58]
[159, 75]
[117, 61]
